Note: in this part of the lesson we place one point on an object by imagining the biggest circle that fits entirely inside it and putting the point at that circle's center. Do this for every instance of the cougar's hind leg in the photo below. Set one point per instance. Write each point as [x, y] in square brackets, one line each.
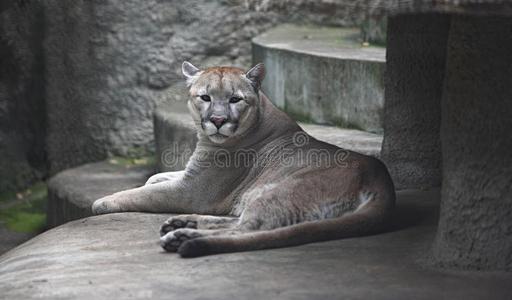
[197, 222]
[270, 211]
[296, 201]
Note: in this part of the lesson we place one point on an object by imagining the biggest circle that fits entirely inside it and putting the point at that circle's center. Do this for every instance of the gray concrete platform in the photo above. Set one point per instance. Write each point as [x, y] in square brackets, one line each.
[72, 192]
[175, 137]
[117, 257]
[323, 75]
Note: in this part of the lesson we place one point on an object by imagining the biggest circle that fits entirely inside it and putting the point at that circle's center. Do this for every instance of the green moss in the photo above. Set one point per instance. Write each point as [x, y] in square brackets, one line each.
[374, 31]
[303, 118]
[344, 124]
[137, 152]
[132, 161]
[298, 116]
[25, 211]
[26, 222]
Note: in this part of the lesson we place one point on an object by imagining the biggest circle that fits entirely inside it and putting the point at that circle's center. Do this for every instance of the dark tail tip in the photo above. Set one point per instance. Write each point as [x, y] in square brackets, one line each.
[194, 248]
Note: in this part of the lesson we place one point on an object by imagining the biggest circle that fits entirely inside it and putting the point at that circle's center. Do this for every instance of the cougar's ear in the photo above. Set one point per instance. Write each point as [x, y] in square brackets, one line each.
[256, 75]
[190, 71]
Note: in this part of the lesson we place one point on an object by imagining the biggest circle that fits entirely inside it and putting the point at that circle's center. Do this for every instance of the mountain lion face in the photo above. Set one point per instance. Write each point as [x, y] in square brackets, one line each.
[224, 100]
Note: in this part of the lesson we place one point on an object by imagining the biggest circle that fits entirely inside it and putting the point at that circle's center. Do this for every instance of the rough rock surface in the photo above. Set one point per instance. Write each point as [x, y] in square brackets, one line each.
[175, 135]
[72, 192]
[344, 13]
[468, 7]
[324, 75]
[475, 228]
[416, 57]
[117, 257]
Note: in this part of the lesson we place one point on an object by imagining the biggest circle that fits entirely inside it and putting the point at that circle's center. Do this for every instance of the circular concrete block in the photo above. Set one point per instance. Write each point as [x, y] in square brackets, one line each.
[323, 75]
[72, 192]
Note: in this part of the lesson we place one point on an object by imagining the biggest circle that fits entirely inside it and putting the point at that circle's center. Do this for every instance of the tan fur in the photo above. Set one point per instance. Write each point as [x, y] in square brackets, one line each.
[292, 190]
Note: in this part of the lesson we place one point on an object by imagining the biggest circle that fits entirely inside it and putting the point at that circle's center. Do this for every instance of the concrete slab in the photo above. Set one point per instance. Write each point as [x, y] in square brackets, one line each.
[117, 257]
[351, 139]
[175, 136]
[328, 42]
[72, 192]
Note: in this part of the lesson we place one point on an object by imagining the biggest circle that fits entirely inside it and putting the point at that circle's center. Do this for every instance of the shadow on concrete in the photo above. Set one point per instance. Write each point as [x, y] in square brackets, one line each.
[414, 209]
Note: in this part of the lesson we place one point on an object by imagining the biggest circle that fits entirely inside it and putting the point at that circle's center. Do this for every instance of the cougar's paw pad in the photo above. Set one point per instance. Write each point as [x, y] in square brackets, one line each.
[177, 223]
[173, 240]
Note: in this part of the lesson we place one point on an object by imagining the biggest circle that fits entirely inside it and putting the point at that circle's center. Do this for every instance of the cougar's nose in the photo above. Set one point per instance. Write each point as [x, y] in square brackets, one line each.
[218, 121]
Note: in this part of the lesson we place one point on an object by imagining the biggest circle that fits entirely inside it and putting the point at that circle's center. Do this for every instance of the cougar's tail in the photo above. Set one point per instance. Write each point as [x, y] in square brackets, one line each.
[356, 224]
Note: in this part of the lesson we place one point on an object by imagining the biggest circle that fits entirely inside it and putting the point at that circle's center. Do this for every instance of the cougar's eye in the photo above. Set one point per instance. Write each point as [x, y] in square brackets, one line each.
[205, 98]
[234, 99]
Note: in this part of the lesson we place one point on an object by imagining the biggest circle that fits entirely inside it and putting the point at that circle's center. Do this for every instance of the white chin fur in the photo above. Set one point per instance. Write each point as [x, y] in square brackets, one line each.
[218, 135]
[217, 138]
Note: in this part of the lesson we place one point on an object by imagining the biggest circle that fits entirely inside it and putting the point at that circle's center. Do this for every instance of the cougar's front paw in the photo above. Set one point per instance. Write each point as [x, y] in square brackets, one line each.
[173, 240]
[105, 205]
[176, 222]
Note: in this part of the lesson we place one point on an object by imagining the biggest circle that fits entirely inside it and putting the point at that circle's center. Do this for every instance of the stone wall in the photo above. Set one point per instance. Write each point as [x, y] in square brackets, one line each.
[342, 13]
[90, 73]
[22, 111]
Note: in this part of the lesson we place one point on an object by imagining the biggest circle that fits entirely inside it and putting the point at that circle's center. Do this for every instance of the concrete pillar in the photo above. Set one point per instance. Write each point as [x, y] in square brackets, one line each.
[475, 227]
[416, 49]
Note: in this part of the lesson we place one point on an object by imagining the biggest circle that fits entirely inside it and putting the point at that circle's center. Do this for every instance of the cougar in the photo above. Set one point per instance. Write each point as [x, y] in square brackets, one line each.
[256, 180]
